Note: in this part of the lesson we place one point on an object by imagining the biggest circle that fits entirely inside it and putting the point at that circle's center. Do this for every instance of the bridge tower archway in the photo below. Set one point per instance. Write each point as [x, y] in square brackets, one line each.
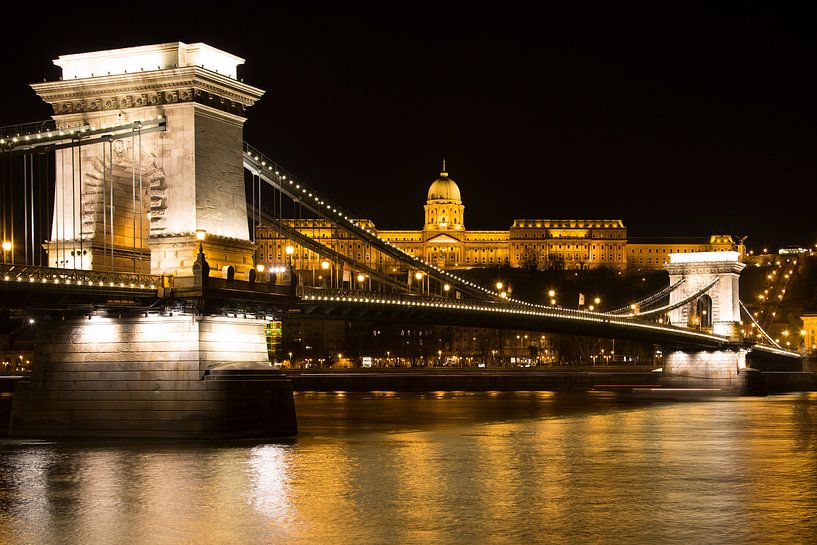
[703, 312]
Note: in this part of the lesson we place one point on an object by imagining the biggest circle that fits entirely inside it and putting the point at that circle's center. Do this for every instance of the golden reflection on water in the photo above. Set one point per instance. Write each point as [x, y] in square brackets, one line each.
[440, 467]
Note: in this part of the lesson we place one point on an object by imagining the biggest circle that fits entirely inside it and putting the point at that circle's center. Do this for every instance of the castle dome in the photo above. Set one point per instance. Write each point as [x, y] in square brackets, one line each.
[444, 189]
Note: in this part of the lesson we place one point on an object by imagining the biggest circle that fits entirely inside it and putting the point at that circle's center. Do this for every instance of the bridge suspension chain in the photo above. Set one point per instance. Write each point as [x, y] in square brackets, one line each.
[275, 175]
[758, 326]
[325, 251]
[649, 298]
[669, 308]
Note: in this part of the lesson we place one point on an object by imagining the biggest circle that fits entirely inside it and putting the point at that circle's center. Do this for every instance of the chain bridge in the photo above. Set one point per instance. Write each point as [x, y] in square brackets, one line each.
[132, 223]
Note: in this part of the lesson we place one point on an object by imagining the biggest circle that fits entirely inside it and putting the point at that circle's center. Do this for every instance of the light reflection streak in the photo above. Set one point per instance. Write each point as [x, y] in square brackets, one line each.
[270, 492]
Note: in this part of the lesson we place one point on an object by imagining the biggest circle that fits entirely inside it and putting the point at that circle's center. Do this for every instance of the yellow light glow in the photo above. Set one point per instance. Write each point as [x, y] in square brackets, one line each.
[201, 234]
[499, 286]
[260, 267]
[551, 293]
[6, 245]
[290, 249]
[446, 287]
[324, 265]
[418, 275]
[360, 278]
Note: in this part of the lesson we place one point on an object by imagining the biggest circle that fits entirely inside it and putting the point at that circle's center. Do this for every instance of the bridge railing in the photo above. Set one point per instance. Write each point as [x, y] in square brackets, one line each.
[79, 277]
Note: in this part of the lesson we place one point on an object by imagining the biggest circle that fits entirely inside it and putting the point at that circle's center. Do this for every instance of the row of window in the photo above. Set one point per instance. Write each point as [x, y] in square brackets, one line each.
[669, 250]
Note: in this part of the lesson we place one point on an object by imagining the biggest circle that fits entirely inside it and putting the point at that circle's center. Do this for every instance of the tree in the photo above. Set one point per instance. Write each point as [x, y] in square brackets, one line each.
[555, 262]
[529, 260]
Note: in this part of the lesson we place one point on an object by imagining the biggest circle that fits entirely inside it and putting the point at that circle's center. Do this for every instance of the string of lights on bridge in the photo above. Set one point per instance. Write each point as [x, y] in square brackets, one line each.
[50, 136]
[81, 278]
[568, 314]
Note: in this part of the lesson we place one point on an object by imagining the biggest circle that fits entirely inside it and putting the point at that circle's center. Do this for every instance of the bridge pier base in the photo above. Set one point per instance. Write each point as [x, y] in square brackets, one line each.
[719, 369]
[724, 370]
[155, 376]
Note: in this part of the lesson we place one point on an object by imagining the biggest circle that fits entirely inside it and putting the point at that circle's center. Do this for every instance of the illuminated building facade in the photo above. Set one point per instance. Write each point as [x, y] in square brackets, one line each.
[445, 242]
[653, 254]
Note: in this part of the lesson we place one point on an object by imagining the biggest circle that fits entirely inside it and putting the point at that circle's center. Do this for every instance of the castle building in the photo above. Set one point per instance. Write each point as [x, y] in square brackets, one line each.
[651, 253]
[534, 243]
[444, 241]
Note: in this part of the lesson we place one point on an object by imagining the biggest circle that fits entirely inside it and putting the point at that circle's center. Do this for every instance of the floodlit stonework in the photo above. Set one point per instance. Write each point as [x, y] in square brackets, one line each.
[717, 310]
[166, 184]
[445, 242]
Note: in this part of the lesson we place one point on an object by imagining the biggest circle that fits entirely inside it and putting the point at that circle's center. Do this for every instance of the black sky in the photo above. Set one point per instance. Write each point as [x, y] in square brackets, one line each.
[681, 124]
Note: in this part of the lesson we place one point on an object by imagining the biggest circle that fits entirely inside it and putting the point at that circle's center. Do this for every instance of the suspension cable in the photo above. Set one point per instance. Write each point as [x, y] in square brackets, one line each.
[757, 325]
[649, 298]
[104, 204]
[141, 201]
[81, 210]
[668, 308]
[25, 208]
[110, 169]
[133, 209]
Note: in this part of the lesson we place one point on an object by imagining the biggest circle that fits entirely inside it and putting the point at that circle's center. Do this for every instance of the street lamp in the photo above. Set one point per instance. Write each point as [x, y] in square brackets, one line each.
[446, 288]
[419, 276]
[6, 248]
[325, 267]
[360, 280]
[289, 249]
[499, 286]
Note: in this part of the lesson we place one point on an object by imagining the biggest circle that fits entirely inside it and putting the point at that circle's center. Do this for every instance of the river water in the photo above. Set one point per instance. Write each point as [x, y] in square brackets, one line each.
[529, 467]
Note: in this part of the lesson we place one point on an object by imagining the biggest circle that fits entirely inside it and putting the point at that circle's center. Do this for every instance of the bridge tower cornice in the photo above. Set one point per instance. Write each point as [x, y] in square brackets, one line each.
[147, 89]
[718, 267]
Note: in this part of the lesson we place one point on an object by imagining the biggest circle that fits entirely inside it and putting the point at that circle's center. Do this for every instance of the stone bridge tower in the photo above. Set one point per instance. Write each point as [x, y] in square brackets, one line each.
[191, 174]
[158, 374]
[717, 310]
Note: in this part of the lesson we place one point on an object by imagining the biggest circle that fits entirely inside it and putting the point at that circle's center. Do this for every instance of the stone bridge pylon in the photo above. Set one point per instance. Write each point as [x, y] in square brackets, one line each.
[717, 310]
[137, 201]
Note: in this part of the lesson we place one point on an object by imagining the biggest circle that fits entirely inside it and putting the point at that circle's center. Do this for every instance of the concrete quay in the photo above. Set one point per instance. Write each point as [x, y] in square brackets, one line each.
[534, 379]
[467, 379]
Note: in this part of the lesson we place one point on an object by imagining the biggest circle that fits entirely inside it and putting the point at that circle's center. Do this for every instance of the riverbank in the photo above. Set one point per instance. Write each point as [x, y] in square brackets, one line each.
[469, 379]
[575, 379]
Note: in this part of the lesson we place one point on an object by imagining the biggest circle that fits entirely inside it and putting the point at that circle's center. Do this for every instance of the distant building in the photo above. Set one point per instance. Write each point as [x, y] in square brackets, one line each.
[653, 253]
[571, 244]
[444, 241]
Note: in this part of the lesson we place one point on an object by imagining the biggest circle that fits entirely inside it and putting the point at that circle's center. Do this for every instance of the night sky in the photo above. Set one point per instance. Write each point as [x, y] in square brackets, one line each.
[681, 124]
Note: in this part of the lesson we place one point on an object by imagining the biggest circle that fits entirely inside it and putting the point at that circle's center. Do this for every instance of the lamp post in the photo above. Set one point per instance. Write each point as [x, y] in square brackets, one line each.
[446, 289]
[6, 249]
[419, 276]
[290, 249]
[360, 279]
[325, 267]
